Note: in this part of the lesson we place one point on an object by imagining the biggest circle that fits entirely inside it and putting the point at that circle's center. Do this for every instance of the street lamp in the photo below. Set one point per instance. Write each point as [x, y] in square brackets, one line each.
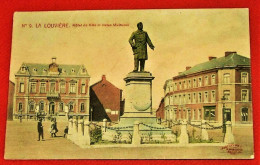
[224, 115]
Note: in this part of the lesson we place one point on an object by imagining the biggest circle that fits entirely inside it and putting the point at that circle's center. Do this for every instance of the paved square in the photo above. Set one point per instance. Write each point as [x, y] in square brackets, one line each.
[21, 143]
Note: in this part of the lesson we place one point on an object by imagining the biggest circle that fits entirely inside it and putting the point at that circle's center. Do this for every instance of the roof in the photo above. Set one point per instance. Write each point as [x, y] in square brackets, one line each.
[107, 93]
[34, 69]
[232, 60]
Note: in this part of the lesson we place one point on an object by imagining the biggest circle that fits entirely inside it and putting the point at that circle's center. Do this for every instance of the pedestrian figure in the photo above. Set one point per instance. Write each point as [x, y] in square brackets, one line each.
[66, 130]
[55, 127]
[53, 130]
[40, 129]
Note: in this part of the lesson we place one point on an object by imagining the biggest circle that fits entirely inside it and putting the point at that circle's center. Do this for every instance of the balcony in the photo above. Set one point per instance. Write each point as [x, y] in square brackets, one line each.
[53, 95]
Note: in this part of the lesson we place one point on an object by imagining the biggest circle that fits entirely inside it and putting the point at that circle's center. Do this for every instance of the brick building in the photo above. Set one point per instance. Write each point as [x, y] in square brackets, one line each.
[160, 113]
[105, 101]
[53, 89]
[10, 100]
[198, 92]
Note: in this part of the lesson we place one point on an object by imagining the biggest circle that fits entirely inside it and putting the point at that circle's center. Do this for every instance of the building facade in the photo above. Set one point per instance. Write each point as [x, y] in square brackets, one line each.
[105, 101]
[200, 92]
[10, 100]
[51, 89]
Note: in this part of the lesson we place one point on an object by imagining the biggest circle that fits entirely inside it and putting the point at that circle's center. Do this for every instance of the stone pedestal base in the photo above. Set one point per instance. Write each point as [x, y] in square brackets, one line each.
[138, 107]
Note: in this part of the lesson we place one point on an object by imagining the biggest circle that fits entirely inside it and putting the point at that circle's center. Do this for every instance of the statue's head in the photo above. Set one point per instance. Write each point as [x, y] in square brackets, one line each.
[140, 26]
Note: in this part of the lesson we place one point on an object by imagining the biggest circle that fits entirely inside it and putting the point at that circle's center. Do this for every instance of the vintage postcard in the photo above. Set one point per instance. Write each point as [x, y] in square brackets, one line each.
[144, 84]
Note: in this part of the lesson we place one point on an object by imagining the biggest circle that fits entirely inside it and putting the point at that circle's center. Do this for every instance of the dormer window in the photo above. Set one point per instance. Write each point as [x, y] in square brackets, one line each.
[72, 70]
[44, 70]
[84, 70]
[34, 69]
[23, 68]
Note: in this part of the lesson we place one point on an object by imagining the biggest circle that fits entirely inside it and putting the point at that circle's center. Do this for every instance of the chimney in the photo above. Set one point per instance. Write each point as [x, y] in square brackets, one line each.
[103, 77]
[212, 58]
[53, 59]
[228, 53]
[188, 67]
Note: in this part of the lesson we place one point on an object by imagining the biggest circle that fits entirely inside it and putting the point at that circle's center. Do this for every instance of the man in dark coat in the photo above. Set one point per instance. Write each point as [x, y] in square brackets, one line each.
[40, 129]
[138, 41]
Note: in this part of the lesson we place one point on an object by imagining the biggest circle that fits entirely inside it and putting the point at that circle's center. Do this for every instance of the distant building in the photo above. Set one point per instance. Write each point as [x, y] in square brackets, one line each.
[52, 89]
[10, 100]
[105, 101]
[160, 113]
[197, 93]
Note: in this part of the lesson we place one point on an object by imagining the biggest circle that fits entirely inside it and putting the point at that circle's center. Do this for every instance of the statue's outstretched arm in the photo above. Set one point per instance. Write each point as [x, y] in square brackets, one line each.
[149, 41]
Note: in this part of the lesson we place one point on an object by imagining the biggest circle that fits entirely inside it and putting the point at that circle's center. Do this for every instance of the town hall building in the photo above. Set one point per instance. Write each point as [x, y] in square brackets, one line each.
[51, 89]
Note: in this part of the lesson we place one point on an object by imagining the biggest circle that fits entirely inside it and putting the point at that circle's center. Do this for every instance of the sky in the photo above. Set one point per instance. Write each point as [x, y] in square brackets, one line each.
[183, 37]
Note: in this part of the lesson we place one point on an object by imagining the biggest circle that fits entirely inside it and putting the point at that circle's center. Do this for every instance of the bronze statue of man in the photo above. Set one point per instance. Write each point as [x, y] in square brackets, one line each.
[139, 40]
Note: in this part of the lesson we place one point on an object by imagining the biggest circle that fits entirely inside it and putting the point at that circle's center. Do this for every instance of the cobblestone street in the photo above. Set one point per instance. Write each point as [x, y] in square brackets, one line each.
[21, 143]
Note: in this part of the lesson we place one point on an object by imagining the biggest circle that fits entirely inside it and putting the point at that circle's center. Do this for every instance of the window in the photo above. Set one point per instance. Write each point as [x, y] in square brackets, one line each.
[200, 98]
[72, 70]
[244, 77]
[175, 99]
[184, 85]
[114, 112]
[41, 106]
[52, 89]
[194, 98]
[213, 96]
[72, 88]
[226, 78]
[175, 86]
[206, 81]
[82, 107]
[189, 98]
[189, 84]
[43, 88]
[62, 87]
[199, 115]
[213, 79]
[20, 106]
[184, 114]
[244, 94]
[184, 99]
[71, 107]
[33, 88]
[209, 114]
[194, 83]
[61, 107]
[244, 114]
[180, 101]
[83, 88]
[171, 100]
[21, 87]
[31, 106]
[200, 82]
[189, 114]
[227, 94]
[206, 97]
[180, 87]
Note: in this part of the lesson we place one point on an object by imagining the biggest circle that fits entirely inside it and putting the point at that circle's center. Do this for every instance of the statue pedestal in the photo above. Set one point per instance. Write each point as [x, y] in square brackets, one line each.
[138, 106]
[138, 96]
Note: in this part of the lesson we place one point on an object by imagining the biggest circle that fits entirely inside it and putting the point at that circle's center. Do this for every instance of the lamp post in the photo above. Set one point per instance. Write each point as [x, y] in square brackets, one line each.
[223, 115]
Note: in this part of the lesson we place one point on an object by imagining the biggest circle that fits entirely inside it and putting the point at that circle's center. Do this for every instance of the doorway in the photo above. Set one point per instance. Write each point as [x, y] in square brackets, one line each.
[51, 108]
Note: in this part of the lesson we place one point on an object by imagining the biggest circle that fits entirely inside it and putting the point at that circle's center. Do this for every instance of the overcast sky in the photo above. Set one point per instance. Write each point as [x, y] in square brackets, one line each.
[181, 38]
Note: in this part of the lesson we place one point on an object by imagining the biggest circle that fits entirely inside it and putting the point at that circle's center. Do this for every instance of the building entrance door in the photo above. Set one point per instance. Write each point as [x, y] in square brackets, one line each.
[51, 108]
